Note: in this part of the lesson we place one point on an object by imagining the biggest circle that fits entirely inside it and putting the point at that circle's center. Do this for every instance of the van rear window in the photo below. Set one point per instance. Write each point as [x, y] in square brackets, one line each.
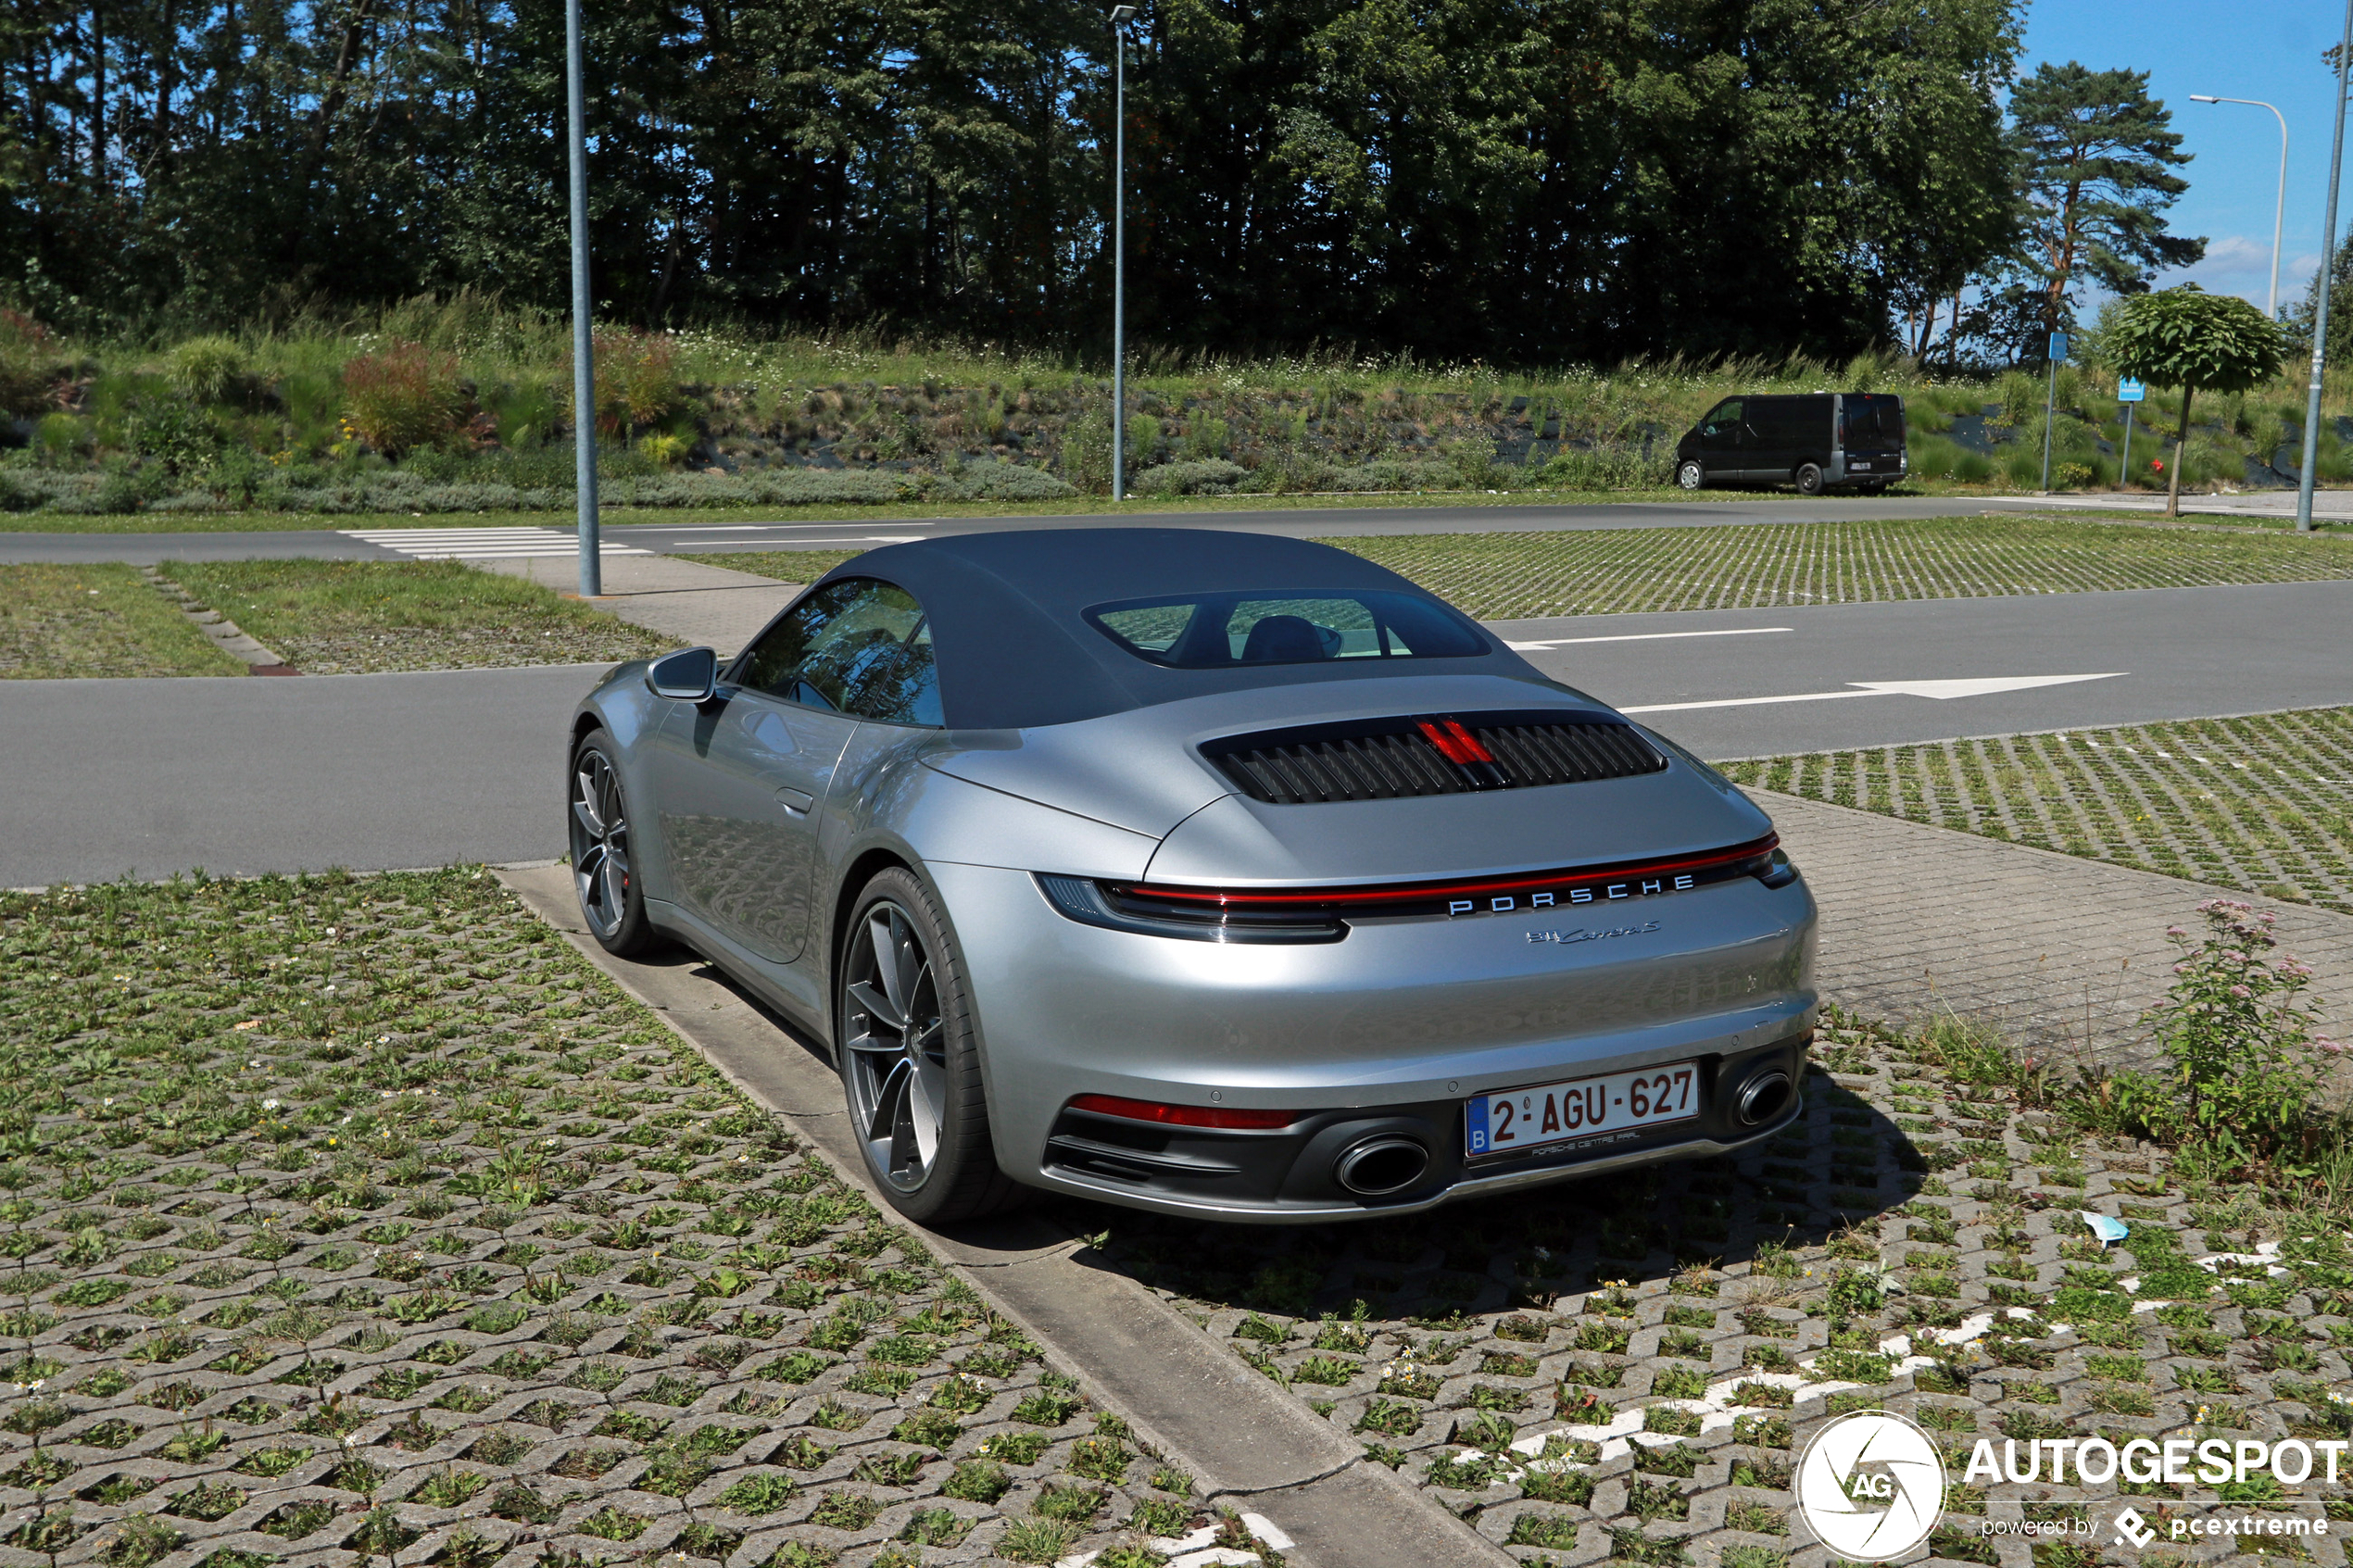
[1874, 420]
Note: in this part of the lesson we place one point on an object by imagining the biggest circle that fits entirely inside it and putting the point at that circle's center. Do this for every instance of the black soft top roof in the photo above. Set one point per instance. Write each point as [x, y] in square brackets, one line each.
[1015, 652]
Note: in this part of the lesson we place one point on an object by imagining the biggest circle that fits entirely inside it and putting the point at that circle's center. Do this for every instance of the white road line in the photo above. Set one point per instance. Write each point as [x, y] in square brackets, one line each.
[1647, 637]
[1940, 691]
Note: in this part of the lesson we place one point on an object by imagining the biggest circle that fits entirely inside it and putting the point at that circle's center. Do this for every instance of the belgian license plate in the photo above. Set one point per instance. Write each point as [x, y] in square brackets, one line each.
[1863, 466]
[1552, 1113]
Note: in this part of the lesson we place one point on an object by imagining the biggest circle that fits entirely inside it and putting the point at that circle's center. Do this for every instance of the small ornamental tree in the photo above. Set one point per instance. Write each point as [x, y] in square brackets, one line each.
[2188, 338]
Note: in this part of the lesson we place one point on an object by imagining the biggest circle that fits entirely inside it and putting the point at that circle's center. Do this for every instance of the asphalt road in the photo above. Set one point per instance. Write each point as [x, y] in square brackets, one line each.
[150, 549]
[105, 779]
[2164, 653]
[111, 778]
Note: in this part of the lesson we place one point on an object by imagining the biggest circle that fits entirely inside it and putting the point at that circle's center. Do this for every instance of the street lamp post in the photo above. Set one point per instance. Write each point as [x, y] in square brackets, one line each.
[583, 375]
[2278, 213]
[1120, 17]
[2320, 305]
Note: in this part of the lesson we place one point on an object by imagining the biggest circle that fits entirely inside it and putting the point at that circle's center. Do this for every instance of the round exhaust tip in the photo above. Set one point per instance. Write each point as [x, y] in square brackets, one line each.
[1762, 1097]
[1380, 1166]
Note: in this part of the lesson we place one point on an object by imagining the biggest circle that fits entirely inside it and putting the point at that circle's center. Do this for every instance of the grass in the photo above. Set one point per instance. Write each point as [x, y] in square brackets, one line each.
[1505, 576]
[338, 618]
[1750, 1247]
[784, 566]
[59, 622]
[2261, 804]
[336, 1195]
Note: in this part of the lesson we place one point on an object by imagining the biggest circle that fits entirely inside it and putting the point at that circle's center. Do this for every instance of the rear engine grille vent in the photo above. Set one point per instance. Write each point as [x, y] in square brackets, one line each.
[1440, 753]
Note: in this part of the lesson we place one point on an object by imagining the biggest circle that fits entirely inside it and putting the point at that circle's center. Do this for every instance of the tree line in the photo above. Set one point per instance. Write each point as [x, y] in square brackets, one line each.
[1513, 180]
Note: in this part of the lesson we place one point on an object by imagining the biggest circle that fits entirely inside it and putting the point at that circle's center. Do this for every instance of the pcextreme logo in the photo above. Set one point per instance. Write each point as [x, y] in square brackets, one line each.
[1872, 1485]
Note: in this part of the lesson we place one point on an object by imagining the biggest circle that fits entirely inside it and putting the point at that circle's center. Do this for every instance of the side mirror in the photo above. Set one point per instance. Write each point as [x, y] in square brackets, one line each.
[685, 676]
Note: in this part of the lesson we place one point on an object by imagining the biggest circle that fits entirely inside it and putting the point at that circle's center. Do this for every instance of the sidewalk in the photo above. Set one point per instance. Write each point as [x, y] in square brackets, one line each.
[686, 599]
[2328, 506]
[2062, 953]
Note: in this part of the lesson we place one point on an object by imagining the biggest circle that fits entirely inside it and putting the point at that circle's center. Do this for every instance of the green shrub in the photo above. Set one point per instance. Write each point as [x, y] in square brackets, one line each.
[1208, 476]
[206, 368]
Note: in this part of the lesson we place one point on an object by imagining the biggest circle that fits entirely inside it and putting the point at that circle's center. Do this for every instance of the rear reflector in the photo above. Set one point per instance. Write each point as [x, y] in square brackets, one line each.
[1184, 1115]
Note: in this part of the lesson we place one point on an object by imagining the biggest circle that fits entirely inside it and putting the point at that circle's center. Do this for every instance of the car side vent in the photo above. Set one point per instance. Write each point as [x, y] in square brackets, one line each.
[1438, 754]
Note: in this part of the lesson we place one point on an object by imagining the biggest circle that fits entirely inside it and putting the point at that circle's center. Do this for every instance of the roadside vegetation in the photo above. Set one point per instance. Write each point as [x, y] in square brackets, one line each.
[2263, 805]
[460, 406]
[363, 1213]
[57, 622]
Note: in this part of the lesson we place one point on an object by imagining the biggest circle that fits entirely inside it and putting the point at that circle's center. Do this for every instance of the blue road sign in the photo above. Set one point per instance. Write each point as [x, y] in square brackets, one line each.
[2058, 348]
[2129, 391]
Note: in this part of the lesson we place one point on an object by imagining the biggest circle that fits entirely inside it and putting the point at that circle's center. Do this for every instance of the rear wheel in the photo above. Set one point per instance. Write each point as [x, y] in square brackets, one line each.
[603, 871]
[1810, 479]
[1691, 476]
[910, 1068]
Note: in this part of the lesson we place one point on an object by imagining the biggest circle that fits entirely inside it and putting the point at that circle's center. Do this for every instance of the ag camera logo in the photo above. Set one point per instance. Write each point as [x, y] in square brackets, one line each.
[1870, 1486]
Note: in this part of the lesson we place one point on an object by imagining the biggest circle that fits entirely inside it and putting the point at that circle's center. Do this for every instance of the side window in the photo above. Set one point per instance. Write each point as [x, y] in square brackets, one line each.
[1724, 421]
[859, 647]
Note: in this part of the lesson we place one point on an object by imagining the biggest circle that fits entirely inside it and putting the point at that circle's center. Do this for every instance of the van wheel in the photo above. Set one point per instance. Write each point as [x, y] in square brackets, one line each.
[1809, 480]
[1691, 476]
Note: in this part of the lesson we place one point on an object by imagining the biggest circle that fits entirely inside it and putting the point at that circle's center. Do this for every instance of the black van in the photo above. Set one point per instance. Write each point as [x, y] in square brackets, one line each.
[1822, 441]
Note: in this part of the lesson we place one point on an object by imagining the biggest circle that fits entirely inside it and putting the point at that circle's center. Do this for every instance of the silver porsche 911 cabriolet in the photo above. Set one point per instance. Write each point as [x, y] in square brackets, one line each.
[1201, 872]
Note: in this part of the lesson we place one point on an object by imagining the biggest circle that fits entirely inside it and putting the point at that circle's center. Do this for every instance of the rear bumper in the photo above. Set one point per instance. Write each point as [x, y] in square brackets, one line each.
[1291, 1176]
[1387, 1032]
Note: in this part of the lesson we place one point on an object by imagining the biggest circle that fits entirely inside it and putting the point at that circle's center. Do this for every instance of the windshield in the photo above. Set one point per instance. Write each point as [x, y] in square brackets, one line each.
[1219, 630]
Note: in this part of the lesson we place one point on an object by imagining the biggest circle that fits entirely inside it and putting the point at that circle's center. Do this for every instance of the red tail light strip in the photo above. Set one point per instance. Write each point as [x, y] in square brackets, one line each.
[1364, 898]
[1454, 742]
[1185, 1115]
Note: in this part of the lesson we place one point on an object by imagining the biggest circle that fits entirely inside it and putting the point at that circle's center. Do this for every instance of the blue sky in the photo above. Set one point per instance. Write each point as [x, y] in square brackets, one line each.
[2268, 49]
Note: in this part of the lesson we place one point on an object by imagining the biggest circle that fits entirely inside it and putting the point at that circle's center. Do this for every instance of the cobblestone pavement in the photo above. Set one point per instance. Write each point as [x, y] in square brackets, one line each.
[2263, 804]
[1624, 1368]
[2062, 954]
[352, 1218]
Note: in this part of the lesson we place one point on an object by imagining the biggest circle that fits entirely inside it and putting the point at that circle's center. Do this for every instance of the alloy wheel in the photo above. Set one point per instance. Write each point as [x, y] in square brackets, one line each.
[599, 842]
[895, 1048]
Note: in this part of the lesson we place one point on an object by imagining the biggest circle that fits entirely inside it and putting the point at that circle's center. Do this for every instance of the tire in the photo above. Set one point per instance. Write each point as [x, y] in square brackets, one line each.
[910, 1068]
[1809, 480]
[1691, 476]
[604, 873]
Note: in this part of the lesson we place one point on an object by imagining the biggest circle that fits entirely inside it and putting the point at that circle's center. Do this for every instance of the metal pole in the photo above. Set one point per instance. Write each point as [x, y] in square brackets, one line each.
[2321, 311]
[2050, 400]
[2279, 212]
[1119, 254]
[584, 373]
[2126, 473]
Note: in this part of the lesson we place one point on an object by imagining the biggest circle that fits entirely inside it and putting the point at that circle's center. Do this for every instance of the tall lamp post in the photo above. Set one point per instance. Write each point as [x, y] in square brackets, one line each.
[584, 373]
[2320, 305]
[2278, 213]
[1120, 17]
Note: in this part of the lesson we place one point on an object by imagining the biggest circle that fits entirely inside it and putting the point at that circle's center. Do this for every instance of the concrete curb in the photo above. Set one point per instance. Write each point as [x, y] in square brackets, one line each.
[1246, 1441]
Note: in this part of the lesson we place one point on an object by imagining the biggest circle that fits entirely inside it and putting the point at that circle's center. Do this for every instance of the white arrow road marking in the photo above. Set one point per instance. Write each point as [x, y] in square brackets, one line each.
[1647, 637]
[1942, 691]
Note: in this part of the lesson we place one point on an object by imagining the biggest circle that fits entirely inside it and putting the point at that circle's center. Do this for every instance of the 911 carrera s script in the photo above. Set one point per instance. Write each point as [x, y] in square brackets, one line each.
[1566, 939]
[1552, 1113]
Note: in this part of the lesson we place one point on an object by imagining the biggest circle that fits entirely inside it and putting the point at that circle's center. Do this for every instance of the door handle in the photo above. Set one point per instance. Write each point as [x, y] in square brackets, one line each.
[797, 801]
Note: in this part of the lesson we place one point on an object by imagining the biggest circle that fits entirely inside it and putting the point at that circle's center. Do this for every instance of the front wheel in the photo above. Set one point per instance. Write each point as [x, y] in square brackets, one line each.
[1691, 476]
[604, 872]
[1810, 479]
[909, 1067]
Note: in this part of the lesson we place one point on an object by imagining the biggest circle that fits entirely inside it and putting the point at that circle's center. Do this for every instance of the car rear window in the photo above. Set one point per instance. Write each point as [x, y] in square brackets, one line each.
[1224, 631]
